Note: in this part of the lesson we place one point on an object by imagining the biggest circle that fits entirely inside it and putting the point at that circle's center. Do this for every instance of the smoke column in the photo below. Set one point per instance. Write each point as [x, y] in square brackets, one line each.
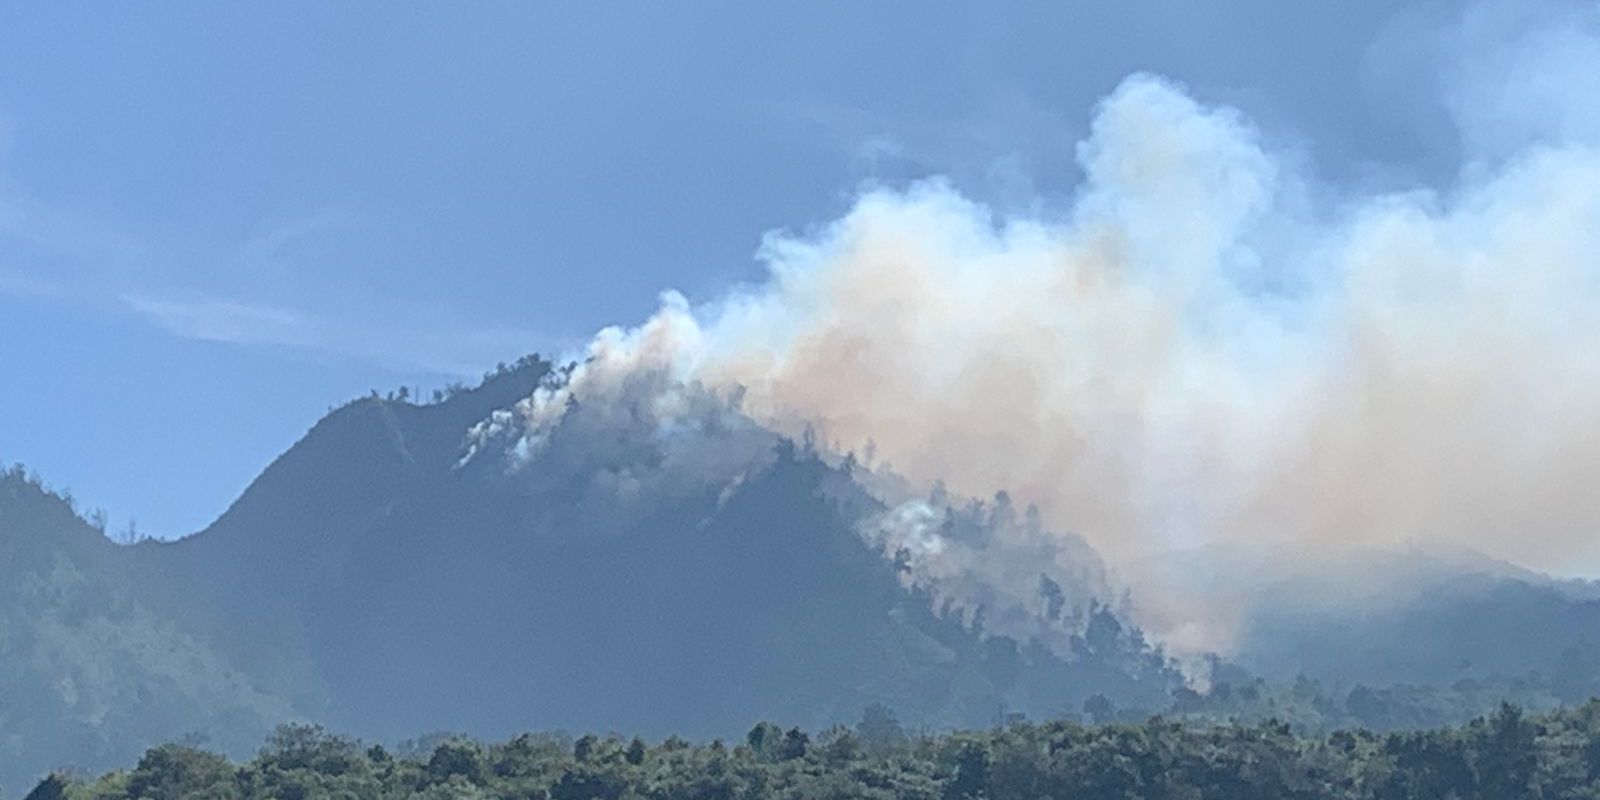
[1208, 349]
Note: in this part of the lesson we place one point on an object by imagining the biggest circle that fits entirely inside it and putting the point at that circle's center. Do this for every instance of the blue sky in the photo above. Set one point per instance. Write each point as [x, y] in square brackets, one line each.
[218, 220]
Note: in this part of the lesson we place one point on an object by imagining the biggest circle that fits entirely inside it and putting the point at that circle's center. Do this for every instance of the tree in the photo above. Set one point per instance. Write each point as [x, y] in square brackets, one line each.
[795, 744]
[311, 747]
[765, 741]
[176, 772]
[879, 729]
[457, 757]
[1506, 754]
[583, 748]
[131, 533]
[971, 778]
[53, 787]
[840, 745]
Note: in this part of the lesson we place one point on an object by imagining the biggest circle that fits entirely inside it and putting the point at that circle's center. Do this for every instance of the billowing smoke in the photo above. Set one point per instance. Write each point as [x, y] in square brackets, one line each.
[1208, 351]
[630, 423]
[999, 568]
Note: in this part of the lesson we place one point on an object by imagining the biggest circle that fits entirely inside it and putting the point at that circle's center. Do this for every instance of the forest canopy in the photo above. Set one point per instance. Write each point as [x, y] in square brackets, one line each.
[1501, 756]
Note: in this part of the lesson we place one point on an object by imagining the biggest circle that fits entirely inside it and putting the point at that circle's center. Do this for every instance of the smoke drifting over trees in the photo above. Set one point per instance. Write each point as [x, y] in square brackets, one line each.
[1207, 349]
[961, 463]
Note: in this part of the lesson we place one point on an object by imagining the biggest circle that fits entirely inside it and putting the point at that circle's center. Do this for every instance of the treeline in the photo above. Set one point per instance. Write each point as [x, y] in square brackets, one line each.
[531, 363]
[1503, 756]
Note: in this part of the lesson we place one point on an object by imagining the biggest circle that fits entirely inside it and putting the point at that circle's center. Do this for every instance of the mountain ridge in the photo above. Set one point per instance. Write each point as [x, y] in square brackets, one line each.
[543, 596]
[403, 568]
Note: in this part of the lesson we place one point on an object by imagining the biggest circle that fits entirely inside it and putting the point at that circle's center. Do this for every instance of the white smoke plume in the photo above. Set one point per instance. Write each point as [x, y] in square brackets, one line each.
[1209, 349]
[630, 423]
[1000, 569]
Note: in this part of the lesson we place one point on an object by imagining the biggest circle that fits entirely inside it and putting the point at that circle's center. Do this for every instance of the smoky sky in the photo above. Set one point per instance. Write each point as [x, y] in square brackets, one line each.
[1209, 343]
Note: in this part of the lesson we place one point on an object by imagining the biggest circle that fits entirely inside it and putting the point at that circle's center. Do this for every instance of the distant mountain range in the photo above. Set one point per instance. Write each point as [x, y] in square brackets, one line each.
[405, 568]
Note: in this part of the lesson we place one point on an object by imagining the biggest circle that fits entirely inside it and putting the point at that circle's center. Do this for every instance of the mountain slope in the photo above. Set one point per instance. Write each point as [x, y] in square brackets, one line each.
[689, 586]
[1432, 621]
[91, 672]
[628, 577]
[645, 558]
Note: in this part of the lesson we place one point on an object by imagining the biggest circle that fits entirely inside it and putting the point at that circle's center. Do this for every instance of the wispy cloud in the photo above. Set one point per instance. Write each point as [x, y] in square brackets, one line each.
[437, 346]
[58, 256]
[224, 321]
[60, 235]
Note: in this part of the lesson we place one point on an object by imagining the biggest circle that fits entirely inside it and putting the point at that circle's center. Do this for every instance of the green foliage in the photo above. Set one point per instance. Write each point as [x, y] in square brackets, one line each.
[1505, 755]
[176, 772]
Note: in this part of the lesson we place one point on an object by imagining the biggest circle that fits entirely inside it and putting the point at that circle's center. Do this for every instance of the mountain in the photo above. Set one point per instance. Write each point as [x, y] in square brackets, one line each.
[1419, 616]
[1430, 619]
[644, 557]
[92, 672]
[395, 572]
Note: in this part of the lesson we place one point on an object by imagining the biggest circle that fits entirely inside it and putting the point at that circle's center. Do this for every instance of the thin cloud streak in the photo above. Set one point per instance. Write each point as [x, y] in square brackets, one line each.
[460, 350]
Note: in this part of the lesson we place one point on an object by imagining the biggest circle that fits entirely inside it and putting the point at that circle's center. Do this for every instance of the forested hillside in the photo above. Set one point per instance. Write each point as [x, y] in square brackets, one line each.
[411, 567]
[90, 671]
[620, 582]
